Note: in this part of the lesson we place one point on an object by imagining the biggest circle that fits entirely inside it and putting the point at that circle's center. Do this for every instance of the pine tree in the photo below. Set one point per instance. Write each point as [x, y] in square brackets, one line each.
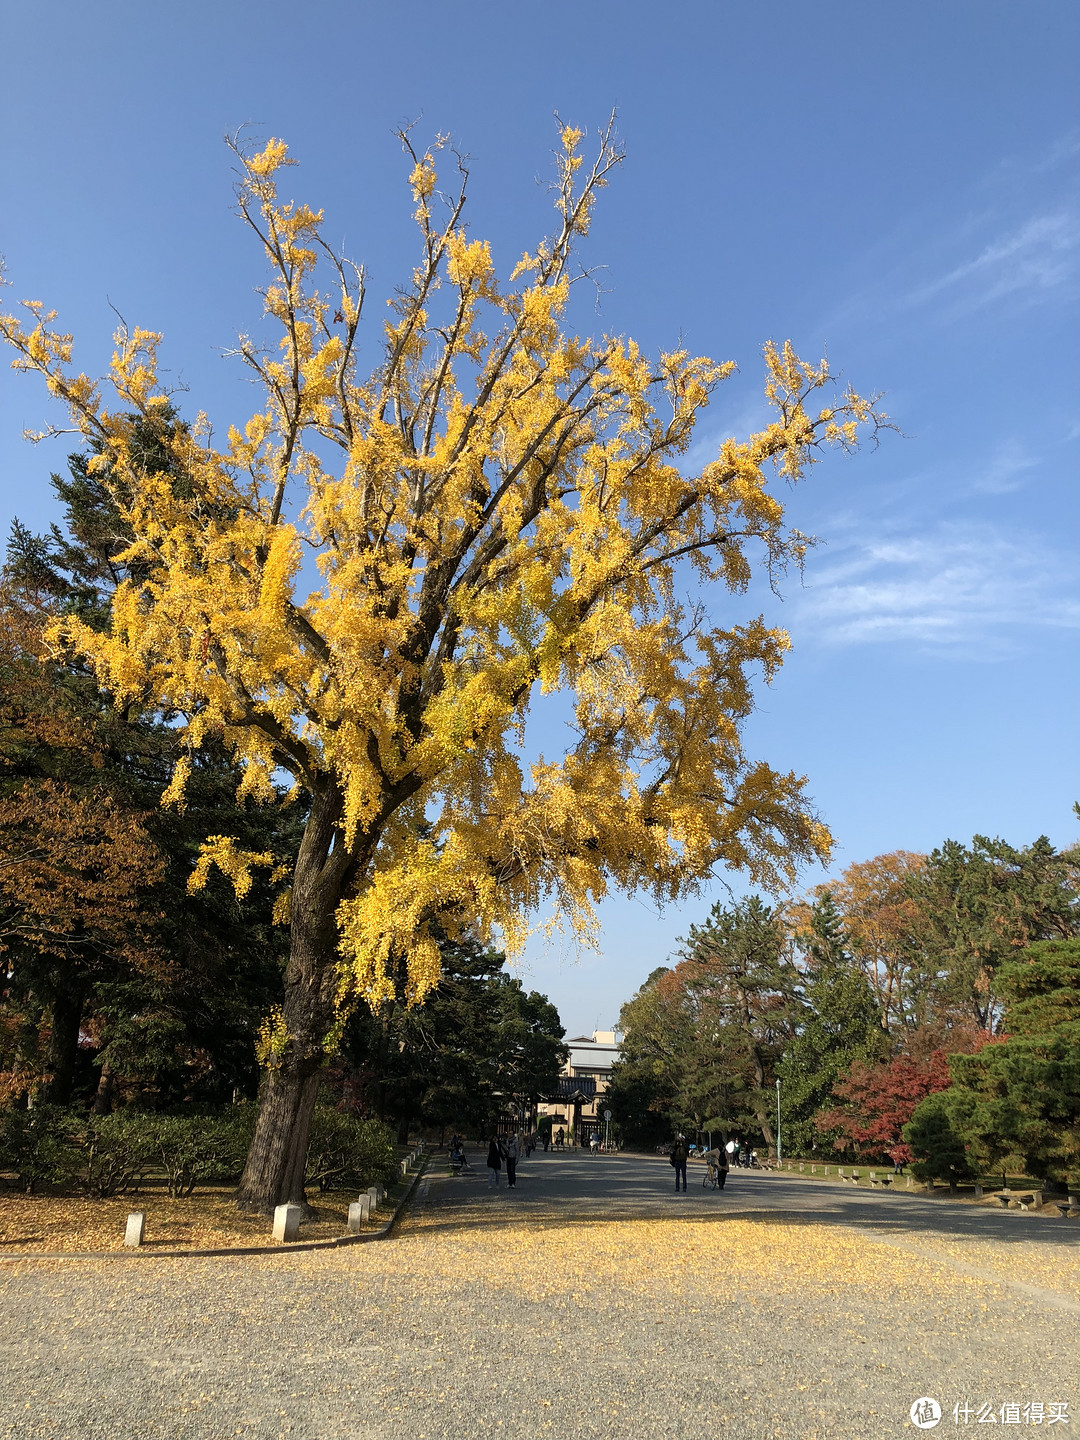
[840, 1024]
[1021, 1094]
[172, 989]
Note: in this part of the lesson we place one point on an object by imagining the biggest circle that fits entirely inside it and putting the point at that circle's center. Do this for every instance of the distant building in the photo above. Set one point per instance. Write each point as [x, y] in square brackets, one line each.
[578, 1103]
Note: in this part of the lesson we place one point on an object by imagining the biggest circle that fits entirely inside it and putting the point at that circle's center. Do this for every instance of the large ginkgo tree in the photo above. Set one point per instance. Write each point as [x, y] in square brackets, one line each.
[500, 508]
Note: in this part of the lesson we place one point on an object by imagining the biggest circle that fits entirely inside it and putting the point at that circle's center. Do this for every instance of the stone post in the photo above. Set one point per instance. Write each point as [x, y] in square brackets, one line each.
[287, 1223]
[358, 1213]
[136, 1223]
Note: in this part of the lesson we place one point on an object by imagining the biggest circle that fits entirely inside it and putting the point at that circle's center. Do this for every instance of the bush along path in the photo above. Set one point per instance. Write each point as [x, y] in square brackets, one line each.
[386, 1214]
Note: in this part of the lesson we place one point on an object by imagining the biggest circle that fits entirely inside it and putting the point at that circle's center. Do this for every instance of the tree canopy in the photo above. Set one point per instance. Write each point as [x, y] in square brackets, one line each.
[499, 508]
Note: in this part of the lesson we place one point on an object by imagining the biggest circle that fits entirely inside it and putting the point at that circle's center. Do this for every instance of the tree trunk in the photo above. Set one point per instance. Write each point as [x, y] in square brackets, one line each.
[276, 1163]
[103, 1094]
[67, 1011]
[759, 1079]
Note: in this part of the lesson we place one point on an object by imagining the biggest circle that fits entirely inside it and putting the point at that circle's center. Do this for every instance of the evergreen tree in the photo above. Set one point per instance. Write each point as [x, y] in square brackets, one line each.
[480, 1047]
[981, 906]
[170, 1004]
[742, 994]
[840, 1024]
[645, 1083]
[1021, 1095]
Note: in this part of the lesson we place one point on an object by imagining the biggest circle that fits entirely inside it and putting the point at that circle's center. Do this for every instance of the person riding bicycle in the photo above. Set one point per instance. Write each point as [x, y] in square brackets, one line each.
[717, 1161]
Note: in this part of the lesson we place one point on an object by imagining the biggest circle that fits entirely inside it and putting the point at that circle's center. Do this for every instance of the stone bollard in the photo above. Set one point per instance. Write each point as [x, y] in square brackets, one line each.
[978, 1192]
[287, 1223]
[136, 1223]
[404, 1168]
[373, 1192]
[801, 1169]
[364, 1202]
[359, 1211]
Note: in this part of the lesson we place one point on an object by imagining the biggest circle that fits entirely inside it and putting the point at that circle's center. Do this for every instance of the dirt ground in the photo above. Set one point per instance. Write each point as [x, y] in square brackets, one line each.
[206, 1220]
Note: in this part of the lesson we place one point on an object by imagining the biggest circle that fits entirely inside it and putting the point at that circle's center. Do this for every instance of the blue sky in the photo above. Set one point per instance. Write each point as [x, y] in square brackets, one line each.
[895, 182]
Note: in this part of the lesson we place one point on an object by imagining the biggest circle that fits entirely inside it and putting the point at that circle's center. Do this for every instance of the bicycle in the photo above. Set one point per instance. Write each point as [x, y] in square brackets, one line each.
[711, 1178]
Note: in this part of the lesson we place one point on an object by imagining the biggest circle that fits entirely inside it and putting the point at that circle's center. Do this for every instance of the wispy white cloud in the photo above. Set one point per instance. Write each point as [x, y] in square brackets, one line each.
[1038, 256]
[1011, 236]
[968, 586]
[1059, 152]
[1005, 469]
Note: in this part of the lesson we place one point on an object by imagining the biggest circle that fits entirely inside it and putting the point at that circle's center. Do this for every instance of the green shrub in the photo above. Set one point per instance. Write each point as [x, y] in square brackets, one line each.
[111, 1153]
[346, 1152]
[36, 1145]
[197, 1149]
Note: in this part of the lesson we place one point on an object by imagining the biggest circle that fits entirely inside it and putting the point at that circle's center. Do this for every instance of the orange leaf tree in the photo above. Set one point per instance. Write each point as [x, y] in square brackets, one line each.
[75, 864]
[500, 508]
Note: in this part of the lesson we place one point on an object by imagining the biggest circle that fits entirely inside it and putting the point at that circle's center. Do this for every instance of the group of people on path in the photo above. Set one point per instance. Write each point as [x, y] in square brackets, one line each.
[716, 1159]
[508, 1150]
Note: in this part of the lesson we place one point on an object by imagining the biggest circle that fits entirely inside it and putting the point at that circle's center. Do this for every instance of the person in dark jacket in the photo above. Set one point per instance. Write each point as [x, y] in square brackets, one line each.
[511, 1150]
[494, 1161]
[680, 1153]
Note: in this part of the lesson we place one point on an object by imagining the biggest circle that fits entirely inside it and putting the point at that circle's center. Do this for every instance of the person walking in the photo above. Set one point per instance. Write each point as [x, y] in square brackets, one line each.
[680, 1153]
[512, 1152]
[717, 1161]
[494, 1161]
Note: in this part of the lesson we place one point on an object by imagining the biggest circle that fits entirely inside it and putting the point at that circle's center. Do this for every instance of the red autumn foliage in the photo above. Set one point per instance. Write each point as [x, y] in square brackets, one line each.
[877, 1101]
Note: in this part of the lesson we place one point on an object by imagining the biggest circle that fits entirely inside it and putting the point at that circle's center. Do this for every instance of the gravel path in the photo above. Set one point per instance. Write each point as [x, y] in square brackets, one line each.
[589, 1302]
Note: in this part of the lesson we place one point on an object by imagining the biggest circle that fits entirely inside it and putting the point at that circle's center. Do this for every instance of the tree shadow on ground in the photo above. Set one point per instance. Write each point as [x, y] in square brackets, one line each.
[576, 1194]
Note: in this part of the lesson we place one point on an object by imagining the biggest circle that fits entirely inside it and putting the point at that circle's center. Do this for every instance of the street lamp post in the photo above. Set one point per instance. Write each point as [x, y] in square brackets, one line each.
[778, 1155]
